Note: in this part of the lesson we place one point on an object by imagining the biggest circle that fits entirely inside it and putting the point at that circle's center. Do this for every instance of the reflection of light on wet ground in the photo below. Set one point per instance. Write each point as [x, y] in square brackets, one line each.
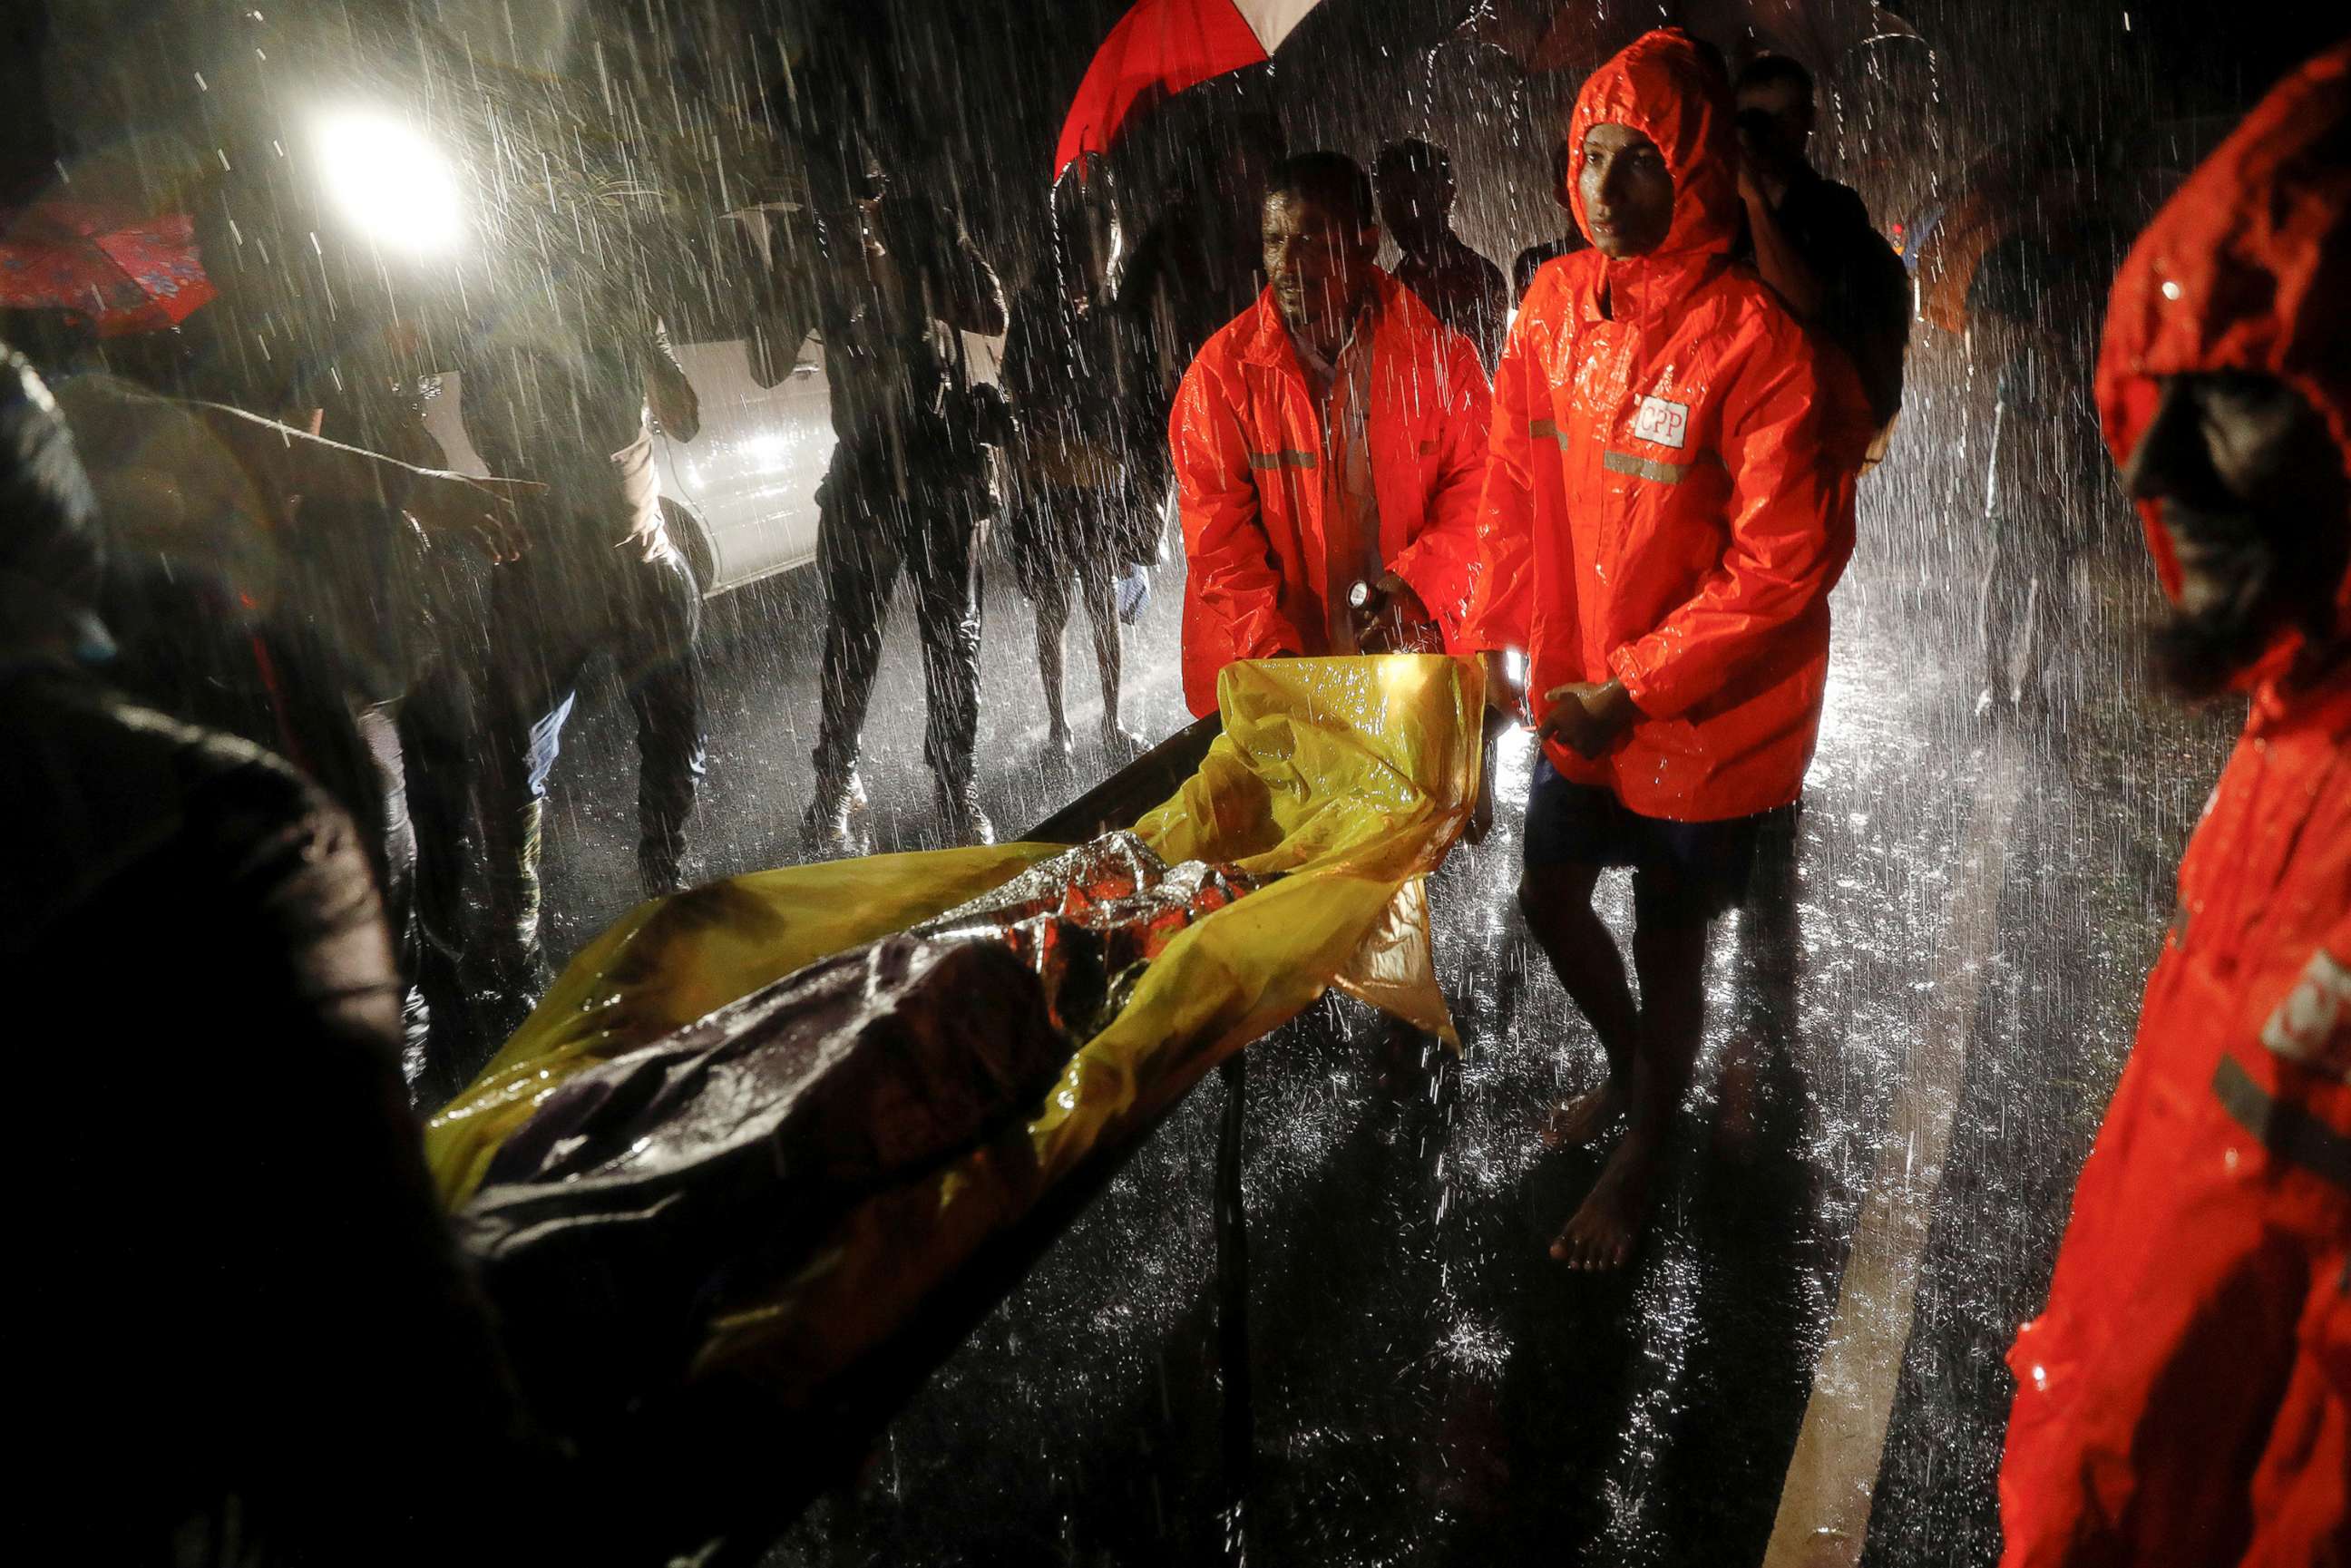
[1825, 1509]
[1475, 1347]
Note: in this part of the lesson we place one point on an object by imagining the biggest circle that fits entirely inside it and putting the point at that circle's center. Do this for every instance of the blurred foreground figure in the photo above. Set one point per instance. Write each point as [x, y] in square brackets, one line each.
[909, 486]
[216, 520]
[1090, 462]
[1415, 182]
[2186, 1396]
[250, 1339]
[1668, 504]
[1331, 437]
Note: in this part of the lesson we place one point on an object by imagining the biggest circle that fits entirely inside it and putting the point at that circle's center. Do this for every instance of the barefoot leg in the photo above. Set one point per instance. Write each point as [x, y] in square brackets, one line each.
[1669, 955]
[1052, 620]
[1100, 592]
[1580, 1118]
[1557, 901]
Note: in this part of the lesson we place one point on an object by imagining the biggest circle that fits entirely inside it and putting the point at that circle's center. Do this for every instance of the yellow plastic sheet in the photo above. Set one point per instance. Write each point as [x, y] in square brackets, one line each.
[1344, 779]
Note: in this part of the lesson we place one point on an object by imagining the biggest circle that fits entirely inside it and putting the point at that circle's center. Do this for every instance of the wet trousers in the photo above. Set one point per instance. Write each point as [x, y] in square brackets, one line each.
[551, 615]
[865, 535]
[2023, 609]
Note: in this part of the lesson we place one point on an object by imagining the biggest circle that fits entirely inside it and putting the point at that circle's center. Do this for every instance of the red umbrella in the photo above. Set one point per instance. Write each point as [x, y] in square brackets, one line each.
[1163, 46]
[118, 271]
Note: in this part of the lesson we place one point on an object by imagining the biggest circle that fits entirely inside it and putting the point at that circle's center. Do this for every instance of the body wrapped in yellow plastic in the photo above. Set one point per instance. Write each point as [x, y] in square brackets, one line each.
[1338, 785]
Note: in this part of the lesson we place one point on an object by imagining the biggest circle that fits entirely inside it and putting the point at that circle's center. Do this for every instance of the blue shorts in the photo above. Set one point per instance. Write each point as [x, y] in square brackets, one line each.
[1584, 825]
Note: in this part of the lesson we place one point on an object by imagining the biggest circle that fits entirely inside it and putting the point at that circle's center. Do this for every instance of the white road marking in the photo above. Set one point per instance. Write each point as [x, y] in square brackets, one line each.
[1825, 1503]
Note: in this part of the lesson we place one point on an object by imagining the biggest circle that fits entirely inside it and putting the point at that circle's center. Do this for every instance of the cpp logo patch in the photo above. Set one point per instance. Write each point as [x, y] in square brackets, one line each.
[1666, 423]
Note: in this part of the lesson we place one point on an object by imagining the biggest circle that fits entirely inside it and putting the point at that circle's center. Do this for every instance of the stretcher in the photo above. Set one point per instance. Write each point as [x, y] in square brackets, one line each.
[1322, 798]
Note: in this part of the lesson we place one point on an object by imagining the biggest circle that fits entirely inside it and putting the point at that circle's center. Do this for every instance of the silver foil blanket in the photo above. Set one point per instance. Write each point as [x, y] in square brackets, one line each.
[648, 1191]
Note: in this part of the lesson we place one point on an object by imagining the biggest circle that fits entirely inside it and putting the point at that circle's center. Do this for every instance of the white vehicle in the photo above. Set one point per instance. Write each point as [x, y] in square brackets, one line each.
[746, 483]
[740, 497]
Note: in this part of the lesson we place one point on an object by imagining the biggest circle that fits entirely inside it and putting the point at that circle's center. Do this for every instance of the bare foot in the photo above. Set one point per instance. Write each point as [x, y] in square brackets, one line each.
[1602, 1233]
[1575, 1122]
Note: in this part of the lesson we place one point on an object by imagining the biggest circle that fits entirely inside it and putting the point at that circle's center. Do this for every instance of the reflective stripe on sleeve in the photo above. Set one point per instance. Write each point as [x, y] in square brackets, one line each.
[2287, 1131]
[1644, 467]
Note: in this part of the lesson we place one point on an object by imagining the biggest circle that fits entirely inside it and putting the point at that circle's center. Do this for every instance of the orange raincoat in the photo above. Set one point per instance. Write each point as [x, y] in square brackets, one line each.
[1248, 445]
[1669, 497]
[2182, 1400]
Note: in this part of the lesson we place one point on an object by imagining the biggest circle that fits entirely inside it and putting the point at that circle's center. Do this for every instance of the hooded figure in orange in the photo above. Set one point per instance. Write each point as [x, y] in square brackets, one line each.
[1333, 434]
[2186, 1396]
[1669, 502]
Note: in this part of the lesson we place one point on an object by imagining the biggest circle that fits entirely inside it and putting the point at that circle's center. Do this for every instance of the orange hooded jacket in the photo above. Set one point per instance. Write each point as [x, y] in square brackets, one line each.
[1669, 494]
[1247, 437]
[2186, 1396]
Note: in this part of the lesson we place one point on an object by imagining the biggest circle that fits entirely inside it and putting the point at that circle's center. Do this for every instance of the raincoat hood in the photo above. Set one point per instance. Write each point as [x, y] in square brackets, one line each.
[2247, 268]
[1661, 86]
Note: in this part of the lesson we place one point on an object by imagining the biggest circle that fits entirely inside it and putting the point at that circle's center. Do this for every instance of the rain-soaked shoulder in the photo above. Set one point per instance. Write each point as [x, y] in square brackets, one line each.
[1551, 293]
[105, 765]
[1737, 305]
[1562, 275]
[1746, 294]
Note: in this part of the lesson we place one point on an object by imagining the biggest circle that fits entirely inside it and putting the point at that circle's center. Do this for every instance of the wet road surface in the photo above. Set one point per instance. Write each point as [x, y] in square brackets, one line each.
[1913, 1027]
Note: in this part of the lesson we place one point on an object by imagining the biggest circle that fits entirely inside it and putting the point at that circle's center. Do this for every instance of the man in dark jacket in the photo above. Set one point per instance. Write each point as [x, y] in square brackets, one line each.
[1415, 182]
[1812, 238]
[1540, 254]
[556, 388]
[898, 284]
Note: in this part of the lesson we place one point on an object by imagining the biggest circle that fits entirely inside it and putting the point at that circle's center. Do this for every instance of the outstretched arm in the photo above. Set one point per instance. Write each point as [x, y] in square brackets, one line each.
[295, 464]
[288, 464]
[970, 299]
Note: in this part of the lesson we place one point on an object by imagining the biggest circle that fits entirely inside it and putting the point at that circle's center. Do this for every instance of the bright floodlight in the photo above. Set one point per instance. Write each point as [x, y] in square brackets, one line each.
[390, 181]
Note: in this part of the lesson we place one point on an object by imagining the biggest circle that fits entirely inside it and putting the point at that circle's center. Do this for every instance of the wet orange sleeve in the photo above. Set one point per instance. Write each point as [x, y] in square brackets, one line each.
[1230, 559]
[1438, 563]
[1500, 605]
